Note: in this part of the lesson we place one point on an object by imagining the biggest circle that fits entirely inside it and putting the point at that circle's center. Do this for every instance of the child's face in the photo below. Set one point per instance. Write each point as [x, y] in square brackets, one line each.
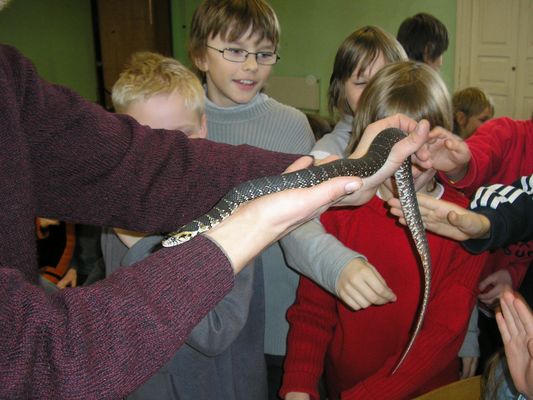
[232, 83]
[168, 111]
[354, 85]
[474, 122]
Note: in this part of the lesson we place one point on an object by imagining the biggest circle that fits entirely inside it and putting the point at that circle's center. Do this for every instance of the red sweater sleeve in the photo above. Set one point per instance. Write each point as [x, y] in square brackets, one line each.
[439, 340]
[499, 154]
[312, 319]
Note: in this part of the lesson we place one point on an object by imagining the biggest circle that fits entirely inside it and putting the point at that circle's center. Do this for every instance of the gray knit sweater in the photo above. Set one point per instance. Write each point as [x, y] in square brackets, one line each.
[268, 124]
[223, 356]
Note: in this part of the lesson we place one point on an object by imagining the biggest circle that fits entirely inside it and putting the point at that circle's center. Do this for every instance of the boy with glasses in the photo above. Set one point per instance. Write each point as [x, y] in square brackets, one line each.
[233, 47]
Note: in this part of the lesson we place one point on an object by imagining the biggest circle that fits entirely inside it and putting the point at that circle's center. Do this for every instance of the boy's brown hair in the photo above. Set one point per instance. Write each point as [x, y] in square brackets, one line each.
[470, 101]
[230, 19]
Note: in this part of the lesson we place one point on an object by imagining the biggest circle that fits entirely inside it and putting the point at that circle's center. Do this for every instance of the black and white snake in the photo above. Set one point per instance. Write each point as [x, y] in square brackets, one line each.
[365, 166]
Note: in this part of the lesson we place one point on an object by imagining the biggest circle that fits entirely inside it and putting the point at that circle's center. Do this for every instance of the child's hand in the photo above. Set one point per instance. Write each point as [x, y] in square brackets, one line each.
[446, 219]
[468, 366]
[500, 280]
[360, 285]
[70, 279]
[445, 152]
[297, 396]
[515, 322]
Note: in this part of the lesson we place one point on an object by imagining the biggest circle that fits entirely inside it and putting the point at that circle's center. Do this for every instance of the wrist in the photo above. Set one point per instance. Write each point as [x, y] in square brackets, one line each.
[457, 174]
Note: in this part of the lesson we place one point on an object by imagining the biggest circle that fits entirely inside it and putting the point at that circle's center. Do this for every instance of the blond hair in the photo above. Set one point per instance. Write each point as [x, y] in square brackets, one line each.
[408, 87]
[149, 74]
[471, 101]
[358, 51]
[230, 19]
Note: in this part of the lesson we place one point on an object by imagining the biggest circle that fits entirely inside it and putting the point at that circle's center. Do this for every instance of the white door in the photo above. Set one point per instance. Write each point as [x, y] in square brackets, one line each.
[495, 52]
[524, 98]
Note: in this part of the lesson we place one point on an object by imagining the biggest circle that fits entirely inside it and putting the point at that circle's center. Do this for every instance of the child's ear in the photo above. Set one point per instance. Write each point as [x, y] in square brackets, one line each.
[461, 119]
[203, 127]
[201, 63]
[426, 57]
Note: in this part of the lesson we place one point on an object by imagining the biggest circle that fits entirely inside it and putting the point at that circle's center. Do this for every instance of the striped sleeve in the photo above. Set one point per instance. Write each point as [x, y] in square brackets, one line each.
[510, 211]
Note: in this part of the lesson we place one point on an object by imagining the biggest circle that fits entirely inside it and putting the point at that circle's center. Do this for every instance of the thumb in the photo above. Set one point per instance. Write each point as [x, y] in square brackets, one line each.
[486, 282]
[530, 347]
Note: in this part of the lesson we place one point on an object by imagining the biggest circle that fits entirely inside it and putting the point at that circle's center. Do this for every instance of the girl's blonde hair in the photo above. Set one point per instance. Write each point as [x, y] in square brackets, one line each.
[359, 50]
[230, 19]
[408, 87]
[149, 74]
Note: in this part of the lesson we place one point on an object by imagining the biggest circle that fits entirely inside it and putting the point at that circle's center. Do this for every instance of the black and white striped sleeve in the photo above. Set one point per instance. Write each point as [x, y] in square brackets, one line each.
[510, 211]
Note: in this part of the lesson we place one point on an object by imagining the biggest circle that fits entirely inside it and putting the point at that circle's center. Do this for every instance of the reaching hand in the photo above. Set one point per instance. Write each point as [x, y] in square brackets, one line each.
[360, 285]
[497, 281]
[446, 219]
[515, 322]
[297, 396]
[70, 279]
[445, 152]
[468, 366]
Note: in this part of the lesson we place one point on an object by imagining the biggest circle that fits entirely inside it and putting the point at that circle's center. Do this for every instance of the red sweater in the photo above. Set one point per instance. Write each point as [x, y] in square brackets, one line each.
[359, 349]
[65, 158]
[501, 154]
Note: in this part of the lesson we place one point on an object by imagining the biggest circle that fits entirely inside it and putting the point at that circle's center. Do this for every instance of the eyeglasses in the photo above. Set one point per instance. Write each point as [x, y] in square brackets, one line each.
[240, 55]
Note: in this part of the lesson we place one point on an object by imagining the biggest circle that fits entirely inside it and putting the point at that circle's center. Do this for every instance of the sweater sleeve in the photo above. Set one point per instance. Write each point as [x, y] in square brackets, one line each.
[439, 340]
[318, 255]
[221, 326]
[95, 167]
[510, 211]
[312, 319]
[491, 146]
[103, 340]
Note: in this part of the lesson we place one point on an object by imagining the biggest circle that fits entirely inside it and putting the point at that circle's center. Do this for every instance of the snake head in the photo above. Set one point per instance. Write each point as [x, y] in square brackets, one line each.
[178, 238]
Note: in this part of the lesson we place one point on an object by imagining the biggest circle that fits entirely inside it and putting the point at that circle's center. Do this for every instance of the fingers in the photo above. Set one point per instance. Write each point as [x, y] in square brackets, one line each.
[360, 285]
[302, 162]
[326, 160]
[524, 313]
[502, 326]
[510, 316]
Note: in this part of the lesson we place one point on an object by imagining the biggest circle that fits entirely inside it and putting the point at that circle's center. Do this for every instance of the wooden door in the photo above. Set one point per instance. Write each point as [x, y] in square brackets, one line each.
[127, 26]
[494, 52]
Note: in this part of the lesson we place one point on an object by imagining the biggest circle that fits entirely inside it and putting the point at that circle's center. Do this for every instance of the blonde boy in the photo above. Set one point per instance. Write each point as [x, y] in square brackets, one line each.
[161, 92]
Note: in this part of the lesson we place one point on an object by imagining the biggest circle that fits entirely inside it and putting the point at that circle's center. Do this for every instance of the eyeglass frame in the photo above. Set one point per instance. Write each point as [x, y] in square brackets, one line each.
[223, 51]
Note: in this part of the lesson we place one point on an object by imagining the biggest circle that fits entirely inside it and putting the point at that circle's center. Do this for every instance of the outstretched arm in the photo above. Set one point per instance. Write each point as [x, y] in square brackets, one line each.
[447, 219]
[446, 152]
[499, 215]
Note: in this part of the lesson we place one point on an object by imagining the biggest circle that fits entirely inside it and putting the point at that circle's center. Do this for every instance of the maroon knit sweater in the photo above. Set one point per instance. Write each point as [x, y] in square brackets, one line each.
[63, 157]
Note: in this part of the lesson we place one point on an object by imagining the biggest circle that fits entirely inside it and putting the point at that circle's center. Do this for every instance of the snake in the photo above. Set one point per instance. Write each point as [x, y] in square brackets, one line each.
[364, 166]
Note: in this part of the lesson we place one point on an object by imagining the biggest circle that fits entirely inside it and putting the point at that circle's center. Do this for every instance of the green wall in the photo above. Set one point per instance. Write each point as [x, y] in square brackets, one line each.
[57, 34]
[312, 30]
[311, 34]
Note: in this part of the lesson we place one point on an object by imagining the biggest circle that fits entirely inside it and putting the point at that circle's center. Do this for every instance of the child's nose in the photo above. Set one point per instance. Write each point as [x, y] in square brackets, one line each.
[250, 64]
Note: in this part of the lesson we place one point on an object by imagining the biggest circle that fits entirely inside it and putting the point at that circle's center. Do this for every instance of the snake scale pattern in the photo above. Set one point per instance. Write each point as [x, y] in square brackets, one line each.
[365, 166]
